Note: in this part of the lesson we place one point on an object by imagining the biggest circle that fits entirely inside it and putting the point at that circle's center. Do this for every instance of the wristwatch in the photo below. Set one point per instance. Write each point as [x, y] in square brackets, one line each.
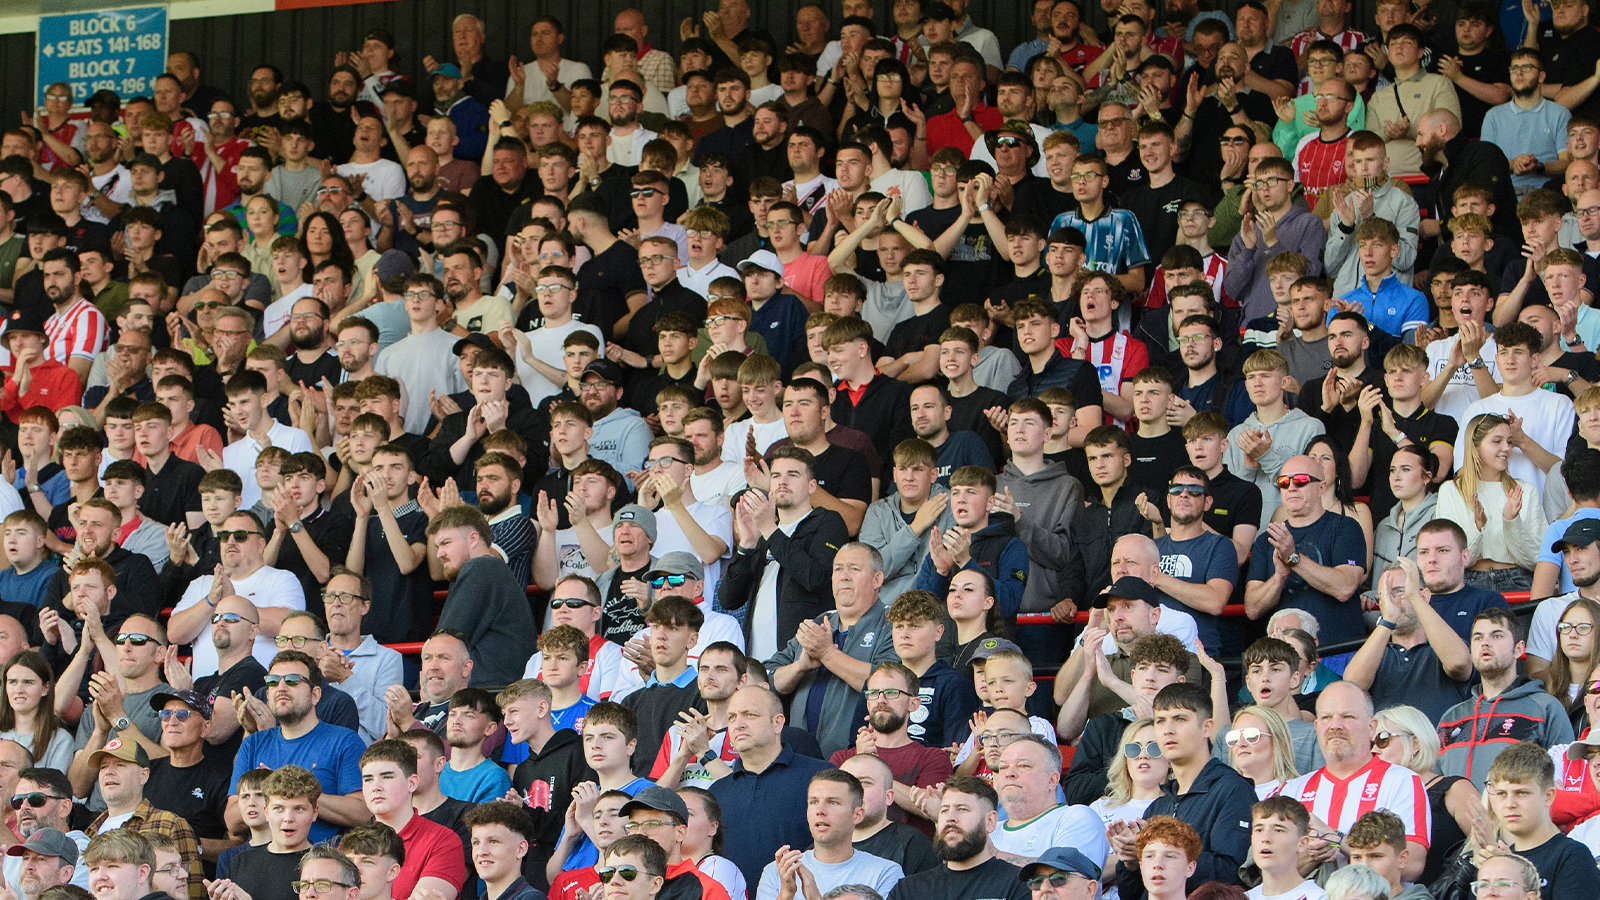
[1385, 623]
[1477, 363]
[121, 724]
[706, 757]
[1293, 560]
[297, 526]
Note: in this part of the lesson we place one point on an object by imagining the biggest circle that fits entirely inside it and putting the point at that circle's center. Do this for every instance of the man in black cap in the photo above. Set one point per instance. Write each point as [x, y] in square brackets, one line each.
[46, 231]
[33, 379]
[186, 781]
[661, 815]
[1062, 873]
[47, 858]
[621, 436]
[1580, 556]
[1125, 612]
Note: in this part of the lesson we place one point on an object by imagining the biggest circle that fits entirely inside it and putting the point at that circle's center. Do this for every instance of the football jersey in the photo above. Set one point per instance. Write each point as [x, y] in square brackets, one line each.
[1377, 785]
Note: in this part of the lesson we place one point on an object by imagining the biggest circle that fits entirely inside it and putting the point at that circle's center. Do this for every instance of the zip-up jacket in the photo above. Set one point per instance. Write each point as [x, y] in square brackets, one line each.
[1099, 527]
[1218, 806]
[997, 552]
[805, 572]
[1476, 730]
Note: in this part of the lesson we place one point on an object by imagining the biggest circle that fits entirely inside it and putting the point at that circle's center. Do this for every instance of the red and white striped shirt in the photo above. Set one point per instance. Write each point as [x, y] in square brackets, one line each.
[80, 332]
[1348, 40]
[1319, 165]
[1215, 270]
[1377, 785]
[1116, 359]
[222, 187]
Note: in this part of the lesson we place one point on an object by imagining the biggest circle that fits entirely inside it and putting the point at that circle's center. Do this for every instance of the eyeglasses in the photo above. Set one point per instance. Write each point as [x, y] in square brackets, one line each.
[1299, 479]
[230, 619]
[1234, 141]
[1076, 177]
[1262, 184]
[656, 258]
[320, 886]
[946, 171]
[297, 643]
[1151, 750]
[236, 536]
[1001, 738]
[552, 288]
[643, 192]
[1497, 887]
[1385, 737]
[418, 295]
[636, 827]
[182, 715]
[1122, 120]
[570, 604]
[302, 317]
[1588, 211]
[293, 679]
[1054, 879]
[714, 321]
[219, 115]
[1246, 735]
[35, 800]
[628, 873]
[1582, 628]
[591, 386]
[1193, 490]
[883, 693]
[780, 223]
[1327, 837]
[1321, 97]
[1525, 67]
[58, 96]
[661, 463]
[1320, 60]
[330, 190]
[661, 581]
[225, 275]
[342, 598]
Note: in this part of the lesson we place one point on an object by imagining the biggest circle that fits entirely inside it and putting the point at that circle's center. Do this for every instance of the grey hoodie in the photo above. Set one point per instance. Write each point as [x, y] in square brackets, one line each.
[902, 549]
[1299, 231]
[1047, 501]
[1391, 540]
[1343, 263]
[622, 439]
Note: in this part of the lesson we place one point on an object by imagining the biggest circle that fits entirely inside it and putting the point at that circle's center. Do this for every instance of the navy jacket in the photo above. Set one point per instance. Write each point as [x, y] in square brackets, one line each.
[1218, 806]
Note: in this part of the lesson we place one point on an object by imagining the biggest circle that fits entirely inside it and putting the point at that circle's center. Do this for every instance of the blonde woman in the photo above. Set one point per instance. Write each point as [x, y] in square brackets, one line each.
[1134, 780]
[1502, 515]
[1260, 749]
[1407, 737]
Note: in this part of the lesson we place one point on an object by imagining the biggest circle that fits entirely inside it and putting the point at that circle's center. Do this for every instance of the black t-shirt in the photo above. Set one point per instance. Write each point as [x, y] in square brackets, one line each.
[493, 206]
[263, 874]
[86, 234]
[1490, 66]
[1566, 869]
[670, 297]
[1585, 364]
[310, 374]
[994, 879]
[244, 677]
[402, 605]
[902, 845]
[968, 414]
[1425, 428]
[198, 793]
[1044, 201]
[605, 282]
[172, 492]
[1156, 208]
[1234, 502]
[919, 331]
[1017, 290]
[1155, 459]
[973, 267]
[622, 617]
[329, 530]
[844, 473]
[1569, 60]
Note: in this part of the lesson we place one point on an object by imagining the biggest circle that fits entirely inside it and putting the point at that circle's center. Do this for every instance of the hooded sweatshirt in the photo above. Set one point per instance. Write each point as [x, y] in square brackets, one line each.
[546, 780]
[997, 552]
[1246, 281]
[1341, 260]
[1476, 730]
[1047, 502]
[622, 439]
[1392, 539]
[903, 550]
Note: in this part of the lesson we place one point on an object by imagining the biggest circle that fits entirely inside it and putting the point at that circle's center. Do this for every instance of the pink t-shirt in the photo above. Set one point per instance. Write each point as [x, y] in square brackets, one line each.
[806, 275]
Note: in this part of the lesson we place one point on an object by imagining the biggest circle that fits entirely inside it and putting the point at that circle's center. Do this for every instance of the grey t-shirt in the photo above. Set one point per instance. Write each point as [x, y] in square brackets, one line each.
[137, 708]
[860, 868]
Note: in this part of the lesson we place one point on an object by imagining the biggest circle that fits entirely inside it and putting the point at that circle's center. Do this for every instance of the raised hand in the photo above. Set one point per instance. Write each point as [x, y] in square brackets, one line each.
[1513, 505]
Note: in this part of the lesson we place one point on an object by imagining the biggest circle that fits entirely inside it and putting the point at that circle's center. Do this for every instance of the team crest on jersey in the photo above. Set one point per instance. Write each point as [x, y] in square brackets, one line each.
[1505, 726]
[868, 639]
[1370, 792]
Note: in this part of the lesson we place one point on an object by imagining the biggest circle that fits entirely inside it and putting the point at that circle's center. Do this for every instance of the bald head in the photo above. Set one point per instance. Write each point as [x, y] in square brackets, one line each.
[1581, 176]
[759, 698]
[13, 637]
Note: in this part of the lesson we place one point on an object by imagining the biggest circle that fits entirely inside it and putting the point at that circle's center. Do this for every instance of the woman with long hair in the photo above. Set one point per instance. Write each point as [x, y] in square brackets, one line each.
[1042, 72]
[1260, 749]
[972, 606]
[1338, 495]
[1502, 515]
[1575, 656]
[28, 711]
[1134, 780]
[261, 229]
[702, 841]
[1407, 737]
[1411, 472]
[321, 239]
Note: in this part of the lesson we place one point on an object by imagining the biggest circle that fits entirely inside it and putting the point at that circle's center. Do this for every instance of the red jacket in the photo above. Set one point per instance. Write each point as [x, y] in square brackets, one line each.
[54, 385]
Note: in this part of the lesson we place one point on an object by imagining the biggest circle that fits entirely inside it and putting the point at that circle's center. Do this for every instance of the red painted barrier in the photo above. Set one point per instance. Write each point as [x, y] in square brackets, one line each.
[1232, 610]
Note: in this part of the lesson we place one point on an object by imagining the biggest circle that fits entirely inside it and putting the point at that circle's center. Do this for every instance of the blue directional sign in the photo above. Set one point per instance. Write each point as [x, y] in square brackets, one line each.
[122, 50]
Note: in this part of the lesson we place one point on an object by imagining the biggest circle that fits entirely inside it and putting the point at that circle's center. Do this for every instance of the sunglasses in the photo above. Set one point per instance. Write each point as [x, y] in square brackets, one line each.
[1151, 750]
[182, 715]
[570, 604]
[35, 800]
[208, 304]
[138, 640]
[643, 192]
[1007, 142]
[661, 581]
[293, 679]
[1234, 141]
[628, 873]
[1243, 735]
[1299, 479]
[1055, 880]
[1385, 737]
[238, 536]
[1193, 490]
[229, 618]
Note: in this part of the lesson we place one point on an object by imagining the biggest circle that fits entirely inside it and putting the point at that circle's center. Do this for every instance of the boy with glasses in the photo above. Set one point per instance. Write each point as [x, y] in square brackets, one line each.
[1114, 237]
[540, 351]
[1276, 225]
